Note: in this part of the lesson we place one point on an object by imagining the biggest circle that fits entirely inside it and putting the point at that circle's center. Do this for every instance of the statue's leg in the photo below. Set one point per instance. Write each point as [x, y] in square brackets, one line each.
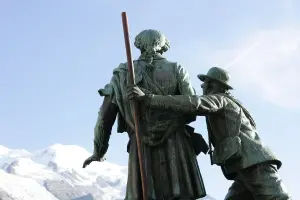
[264, 182]
[238, 191]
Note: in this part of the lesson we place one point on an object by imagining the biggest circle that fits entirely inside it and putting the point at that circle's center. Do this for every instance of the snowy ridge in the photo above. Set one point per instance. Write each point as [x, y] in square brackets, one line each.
[56, 173]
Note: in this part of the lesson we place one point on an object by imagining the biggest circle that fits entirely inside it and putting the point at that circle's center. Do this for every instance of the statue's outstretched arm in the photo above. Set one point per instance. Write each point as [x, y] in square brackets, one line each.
[197, 105]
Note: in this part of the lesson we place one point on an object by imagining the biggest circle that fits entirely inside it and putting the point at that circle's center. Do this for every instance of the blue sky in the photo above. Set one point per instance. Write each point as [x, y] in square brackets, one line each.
[55, 55]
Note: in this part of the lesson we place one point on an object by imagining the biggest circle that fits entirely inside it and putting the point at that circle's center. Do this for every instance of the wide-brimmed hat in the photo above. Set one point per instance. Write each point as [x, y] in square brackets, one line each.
[217, 74]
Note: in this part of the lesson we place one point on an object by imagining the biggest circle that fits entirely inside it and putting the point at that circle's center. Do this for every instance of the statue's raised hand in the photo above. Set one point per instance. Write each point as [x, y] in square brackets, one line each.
[133, 92]
[91, 159]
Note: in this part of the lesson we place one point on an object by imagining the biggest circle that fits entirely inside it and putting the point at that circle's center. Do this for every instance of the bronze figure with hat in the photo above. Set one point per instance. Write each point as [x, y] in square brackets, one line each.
[232, 131]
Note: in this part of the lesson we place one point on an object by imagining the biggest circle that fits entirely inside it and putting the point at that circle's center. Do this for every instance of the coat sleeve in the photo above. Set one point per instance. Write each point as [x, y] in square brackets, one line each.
[184, 82]
[198, 105]
[105, 121]
[185, 88]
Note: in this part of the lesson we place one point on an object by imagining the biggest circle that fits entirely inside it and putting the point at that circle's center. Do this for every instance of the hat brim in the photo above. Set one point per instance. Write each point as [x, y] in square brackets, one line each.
[204, 77]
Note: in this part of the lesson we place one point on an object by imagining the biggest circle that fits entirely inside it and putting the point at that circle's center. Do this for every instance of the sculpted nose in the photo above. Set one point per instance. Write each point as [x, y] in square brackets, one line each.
[202, 85]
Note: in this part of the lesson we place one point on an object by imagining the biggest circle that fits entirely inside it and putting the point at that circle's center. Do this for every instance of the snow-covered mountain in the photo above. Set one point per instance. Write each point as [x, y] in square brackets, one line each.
[56, 173]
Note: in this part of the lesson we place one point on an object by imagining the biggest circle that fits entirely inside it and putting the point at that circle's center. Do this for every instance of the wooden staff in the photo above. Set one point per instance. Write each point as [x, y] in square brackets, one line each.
[135, 104]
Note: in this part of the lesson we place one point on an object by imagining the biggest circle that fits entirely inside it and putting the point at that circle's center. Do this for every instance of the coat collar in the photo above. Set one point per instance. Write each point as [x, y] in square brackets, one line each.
[156, 56]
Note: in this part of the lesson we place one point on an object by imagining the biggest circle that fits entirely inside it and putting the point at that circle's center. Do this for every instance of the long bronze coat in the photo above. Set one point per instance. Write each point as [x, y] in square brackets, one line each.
[171, 167]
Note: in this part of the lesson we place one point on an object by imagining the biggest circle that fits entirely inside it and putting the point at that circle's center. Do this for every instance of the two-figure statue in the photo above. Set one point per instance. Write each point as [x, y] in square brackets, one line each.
[169, 146]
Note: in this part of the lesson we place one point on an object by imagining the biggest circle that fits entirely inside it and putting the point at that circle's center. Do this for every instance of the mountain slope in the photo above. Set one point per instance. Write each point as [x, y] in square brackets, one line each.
[55, 173]
[15, 187]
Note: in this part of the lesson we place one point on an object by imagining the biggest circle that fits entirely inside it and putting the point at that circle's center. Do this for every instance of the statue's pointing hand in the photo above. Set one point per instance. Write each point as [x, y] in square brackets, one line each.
[133, 92]
[92, 158]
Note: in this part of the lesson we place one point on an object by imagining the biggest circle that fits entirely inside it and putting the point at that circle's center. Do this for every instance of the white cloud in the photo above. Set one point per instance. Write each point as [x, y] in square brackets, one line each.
[267, 63]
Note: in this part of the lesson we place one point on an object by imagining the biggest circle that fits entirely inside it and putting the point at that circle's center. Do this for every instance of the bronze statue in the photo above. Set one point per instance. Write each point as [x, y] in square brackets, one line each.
[168, 151]
[232, 131]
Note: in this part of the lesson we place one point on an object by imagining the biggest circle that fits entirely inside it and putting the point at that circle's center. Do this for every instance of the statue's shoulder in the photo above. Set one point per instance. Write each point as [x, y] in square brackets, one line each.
[232, 104]
[121, 68]
[232, 100]
[124, 65]
[180, 70]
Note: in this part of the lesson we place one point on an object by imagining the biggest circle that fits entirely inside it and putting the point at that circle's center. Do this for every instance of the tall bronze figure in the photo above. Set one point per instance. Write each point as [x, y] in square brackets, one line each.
[169, 153]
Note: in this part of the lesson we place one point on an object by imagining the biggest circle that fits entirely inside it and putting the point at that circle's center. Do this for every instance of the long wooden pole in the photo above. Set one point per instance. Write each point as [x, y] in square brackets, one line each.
[135, 104]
